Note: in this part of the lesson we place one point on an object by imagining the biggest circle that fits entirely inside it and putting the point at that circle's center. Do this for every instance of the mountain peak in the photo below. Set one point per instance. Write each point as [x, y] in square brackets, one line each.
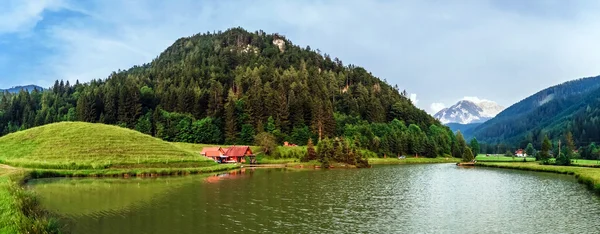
[469, 110]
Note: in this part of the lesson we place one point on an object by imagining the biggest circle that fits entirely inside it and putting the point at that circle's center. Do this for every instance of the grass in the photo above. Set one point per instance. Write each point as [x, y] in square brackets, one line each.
[77, 145]
[585, 175]
[501, 158]
[413, 160]
[19, 209]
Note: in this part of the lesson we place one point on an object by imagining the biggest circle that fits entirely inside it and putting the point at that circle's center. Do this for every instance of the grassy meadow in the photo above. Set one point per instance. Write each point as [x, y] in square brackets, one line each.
[76, 145]
[586, 175]
[501, 158]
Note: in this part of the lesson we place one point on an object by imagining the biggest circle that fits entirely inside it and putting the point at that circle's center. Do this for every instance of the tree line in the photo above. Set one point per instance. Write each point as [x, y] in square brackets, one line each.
[227, 87]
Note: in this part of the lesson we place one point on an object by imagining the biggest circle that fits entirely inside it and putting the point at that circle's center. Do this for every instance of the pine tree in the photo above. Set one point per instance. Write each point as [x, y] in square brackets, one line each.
[311, 154]
[474, 146]
[468, 155]
[545, 153]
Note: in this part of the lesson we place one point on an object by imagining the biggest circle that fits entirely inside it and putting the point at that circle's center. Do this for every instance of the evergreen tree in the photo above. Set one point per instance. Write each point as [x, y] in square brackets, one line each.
[530, 151]
[468, 155]
[461, 144]
[545, 152]
[474, 145]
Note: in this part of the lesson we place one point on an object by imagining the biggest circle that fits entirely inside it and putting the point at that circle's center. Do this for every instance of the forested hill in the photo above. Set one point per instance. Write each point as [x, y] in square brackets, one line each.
[568, 107]
[228, 86]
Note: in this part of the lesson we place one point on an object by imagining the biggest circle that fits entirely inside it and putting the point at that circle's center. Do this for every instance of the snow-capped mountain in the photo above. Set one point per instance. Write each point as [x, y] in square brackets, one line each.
[467, 111]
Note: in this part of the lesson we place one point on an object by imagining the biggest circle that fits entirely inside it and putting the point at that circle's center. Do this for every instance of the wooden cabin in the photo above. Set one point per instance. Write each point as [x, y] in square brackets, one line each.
[215, 153]
[238, 154]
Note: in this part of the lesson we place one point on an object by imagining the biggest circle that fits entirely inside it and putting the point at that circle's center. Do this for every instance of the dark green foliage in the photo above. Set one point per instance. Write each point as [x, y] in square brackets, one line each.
[266, 141]
[339, 150]
[530, 151]
[545, 152]
[590, 152]
[564, 159]
[468, 155]
[226, 87]
[474, 145]
[460, 147]
[247, 134]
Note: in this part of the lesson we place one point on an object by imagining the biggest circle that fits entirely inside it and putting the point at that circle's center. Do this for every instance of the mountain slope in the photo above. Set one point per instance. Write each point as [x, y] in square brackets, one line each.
[466, 112]
[465, 129]
[550, 111]
[227, 87]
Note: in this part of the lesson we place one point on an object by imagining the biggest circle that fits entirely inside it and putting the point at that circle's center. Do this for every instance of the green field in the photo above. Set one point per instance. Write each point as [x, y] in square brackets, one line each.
[586, 175]
[413, 160]
[501, 158]
[76, 145]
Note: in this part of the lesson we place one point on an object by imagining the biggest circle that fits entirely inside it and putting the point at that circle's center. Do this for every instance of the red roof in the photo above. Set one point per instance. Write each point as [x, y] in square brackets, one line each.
[213, 153]
[238, 151]
[210, 149]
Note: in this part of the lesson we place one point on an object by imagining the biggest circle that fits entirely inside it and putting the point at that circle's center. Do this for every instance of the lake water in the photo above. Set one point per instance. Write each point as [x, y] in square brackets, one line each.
[436, 198]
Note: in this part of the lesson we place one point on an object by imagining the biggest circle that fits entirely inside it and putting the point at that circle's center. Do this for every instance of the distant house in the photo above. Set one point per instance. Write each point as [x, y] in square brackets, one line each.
[287, 144]
[233, 154]
[520, 153]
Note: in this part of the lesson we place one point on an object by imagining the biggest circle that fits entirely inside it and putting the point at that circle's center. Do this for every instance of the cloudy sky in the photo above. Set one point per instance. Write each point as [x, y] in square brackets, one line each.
[439, 51]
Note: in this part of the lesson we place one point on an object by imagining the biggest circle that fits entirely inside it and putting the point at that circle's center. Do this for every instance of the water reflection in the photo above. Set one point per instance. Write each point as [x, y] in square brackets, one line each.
[406, 199]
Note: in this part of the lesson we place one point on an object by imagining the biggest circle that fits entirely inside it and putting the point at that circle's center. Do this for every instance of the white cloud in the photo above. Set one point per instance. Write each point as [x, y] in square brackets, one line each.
[413, 98]
[439, 49]
[476, 99]
[436, 107]
[20, 16]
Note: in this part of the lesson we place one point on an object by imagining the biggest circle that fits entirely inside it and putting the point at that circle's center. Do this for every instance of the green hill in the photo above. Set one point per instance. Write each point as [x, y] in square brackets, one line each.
[224, 88]
[571, 106]
[78, 145]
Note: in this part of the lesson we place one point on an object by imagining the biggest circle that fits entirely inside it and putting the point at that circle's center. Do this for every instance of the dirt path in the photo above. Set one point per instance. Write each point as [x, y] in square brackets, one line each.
[7, 167]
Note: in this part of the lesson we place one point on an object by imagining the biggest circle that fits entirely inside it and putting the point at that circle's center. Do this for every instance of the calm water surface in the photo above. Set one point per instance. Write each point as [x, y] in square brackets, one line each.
[438, 198]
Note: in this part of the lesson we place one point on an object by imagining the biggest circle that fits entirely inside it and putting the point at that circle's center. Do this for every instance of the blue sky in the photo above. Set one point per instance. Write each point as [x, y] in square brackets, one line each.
[440, 51]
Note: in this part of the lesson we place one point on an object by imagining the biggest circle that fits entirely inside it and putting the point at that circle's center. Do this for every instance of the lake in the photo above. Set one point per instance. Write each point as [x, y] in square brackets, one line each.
[434, 198]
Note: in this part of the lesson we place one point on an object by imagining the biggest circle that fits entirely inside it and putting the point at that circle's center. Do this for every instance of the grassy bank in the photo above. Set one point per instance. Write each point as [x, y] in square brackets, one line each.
[586, 175]
[412, 160]
[19, 209]
[483, 158]
[139, 172]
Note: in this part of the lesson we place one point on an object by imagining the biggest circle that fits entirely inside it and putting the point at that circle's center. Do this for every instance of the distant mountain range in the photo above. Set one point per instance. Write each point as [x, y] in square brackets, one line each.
[468, 112]
[27, 88]
[572, 106]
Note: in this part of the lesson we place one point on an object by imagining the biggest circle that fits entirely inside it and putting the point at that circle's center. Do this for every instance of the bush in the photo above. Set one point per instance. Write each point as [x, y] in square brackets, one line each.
[563, 159]
[266, 141]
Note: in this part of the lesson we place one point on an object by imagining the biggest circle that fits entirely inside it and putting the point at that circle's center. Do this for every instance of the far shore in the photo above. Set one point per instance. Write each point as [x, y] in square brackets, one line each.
[586, 175]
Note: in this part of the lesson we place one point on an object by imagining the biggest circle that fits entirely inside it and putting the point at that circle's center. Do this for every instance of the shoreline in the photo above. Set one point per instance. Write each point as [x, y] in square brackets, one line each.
[588, 176]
